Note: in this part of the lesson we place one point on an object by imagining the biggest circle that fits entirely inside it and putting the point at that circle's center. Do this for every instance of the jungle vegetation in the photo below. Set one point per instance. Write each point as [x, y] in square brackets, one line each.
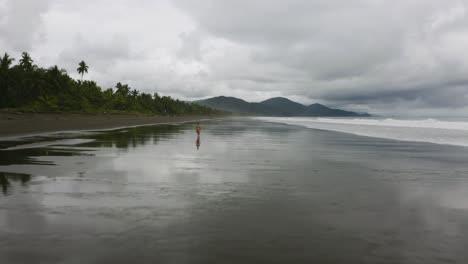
[28, 87]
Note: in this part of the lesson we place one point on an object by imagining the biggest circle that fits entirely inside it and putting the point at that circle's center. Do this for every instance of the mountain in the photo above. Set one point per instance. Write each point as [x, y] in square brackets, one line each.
[278, 106]
[284, 107]
[236, 105]
[321, 110]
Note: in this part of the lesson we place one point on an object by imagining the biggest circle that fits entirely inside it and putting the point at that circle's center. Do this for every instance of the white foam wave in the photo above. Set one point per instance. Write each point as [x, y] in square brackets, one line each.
[423, 123]
[423, 130]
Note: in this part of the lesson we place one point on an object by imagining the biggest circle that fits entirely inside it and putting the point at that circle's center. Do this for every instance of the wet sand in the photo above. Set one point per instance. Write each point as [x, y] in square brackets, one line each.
[243, 192]
[18, 124]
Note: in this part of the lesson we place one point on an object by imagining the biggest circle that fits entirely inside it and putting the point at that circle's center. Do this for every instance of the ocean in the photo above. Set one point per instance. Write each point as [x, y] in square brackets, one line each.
[429, 130]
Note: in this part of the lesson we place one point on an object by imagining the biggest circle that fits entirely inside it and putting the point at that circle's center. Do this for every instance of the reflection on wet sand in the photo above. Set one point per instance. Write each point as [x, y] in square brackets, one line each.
[288, 195]
[6, 179]
[198, 130]
[11, 152]
[198, 142]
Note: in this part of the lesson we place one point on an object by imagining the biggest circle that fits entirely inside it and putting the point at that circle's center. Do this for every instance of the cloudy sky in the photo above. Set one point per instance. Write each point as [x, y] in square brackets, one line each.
[393, 57]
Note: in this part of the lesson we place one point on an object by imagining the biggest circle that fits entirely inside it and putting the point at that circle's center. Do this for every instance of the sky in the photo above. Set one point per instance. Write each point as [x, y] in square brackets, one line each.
[395, 58]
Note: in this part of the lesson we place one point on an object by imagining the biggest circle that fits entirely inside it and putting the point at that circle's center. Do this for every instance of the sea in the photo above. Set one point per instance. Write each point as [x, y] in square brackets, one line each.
[450, 131]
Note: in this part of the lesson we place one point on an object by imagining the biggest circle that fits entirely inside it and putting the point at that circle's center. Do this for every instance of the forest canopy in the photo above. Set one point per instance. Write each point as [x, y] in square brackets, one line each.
[26, 86]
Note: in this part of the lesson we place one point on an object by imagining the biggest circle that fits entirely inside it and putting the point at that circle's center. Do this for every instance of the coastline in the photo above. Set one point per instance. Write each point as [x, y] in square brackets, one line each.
[16, 124]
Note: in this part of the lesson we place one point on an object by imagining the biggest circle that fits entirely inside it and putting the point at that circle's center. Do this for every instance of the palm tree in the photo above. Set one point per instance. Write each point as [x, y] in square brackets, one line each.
[25, 62]
[82, 69]
[55, 79]
[134, 93]
[5, 62]
[55, 71]
[122, 89]
[5, 80]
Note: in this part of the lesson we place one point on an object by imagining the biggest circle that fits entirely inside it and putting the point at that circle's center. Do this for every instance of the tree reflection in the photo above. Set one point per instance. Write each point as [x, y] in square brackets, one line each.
[6, 178]
[28, 155]
[120, 138]
[132, 137]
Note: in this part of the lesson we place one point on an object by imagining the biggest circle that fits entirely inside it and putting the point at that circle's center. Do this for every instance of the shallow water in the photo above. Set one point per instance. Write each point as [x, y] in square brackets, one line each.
[254, 192]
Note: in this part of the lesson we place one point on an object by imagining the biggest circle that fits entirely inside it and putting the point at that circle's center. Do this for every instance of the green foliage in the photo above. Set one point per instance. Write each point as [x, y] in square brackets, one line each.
[29, 87]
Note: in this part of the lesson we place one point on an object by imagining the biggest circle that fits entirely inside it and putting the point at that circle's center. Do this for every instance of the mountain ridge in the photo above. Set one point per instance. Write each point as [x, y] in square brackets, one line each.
[276, 106]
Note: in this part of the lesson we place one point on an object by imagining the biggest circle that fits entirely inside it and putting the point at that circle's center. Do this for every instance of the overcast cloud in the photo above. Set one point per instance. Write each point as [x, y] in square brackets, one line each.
[387, 57]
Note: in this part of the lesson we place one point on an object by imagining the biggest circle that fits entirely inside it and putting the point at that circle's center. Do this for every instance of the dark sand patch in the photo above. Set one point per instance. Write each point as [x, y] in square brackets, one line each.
[18, 124]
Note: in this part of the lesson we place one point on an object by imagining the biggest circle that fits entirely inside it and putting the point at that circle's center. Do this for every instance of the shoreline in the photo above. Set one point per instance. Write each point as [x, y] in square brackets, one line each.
[16, 124]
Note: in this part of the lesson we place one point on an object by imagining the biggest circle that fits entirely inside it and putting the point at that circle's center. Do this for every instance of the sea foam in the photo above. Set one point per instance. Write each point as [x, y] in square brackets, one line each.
[420, 130]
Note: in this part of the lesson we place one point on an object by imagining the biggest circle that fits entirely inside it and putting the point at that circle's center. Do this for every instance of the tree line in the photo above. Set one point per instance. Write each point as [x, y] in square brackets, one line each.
[28, 87]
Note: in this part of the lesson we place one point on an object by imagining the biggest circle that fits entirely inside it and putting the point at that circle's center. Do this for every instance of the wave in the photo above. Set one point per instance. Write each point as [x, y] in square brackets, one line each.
[422, 130]
[424, 123]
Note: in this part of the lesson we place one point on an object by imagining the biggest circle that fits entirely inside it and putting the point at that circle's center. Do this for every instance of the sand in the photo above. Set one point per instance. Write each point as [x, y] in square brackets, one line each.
[253, 192]
[20, 124]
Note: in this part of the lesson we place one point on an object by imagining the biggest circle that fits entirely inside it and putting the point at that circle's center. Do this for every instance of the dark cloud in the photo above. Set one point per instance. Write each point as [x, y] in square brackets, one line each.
[341, 51]
[373, 55]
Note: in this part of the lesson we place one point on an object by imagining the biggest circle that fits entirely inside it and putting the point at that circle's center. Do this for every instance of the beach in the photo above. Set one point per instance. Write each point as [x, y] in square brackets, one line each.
[245, 191]
[19, 124]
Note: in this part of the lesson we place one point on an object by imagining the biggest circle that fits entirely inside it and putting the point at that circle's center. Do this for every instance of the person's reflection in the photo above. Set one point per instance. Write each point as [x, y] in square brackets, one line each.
[198, 142]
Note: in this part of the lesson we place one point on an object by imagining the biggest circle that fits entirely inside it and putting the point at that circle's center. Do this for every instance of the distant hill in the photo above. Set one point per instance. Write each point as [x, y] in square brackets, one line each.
[284, 107]
[321, 110]
[278, 106]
